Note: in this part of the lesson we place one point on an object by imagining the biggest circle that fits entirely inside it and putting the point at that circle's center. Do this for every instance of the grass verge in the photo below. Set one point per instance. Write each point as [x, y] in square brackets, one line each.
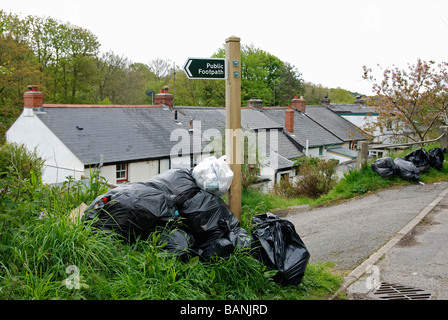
[44, 255]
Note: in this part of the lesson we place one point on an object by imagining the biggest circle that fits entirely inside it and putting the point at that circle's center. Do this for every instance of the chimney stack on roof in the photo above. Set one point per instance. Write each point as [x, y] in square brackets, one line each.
[289, 120]
[164, 97]
[299, 104]
[326, 101]
[33, 98]
[360, 101]
[255, 103]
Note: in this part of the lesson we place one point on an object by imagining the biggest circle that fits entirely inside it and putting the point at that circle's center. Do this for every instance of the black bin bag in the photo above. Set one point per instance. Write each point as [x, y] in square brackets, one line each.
[277, 245]
[420, 158]
[177, 242]
[436, 158]
[175, 182]
[385, 167]
[132, 210]
[205, 224]
[406, 169]
[216, 230]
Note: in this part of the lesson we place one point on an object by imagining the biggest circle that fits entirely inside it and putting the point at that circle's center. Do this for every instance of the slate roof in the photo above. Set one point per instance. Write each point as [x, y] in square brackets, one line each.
[345, 152]
[137, 133]
[305, 128]
[351, 109]
[340, 127]
[277, 161]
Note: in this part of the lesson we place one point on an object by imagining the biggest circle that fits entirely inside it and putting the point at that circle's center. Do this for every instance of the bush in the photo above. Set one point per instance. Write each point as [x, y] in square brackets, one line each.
[315, 178]
[20, 178]
[17, 161]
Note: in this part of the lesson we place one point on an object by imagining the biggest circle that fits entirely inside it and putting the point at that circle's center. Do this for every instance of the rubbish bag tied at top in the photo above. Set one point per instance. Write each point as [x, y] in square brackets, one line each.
[420, 158]
[132, 210]
[436, 158]
[137, 209]
[385, 167]
[277, 245]
[406, 169]
[213, 175]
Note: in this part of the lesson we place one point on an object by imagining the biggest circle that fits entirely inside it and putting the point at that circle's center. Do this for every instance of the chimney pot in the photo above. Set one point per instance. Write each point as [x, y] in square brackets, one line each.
[33, 98]
[164, 97]
[326, 101]
[299, 104]
[360, 101]
[255, 103]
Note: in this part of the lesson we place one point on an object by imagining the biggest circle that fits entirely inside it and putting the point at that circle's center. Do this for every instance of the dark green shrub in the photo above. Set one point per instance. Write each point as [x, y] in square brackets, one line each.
[316, 177]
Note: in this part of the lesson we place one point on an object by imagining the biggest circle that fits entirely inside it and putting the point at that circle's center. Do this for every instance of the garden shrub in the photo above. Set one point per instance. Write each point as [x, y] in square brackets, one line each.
[315, 178]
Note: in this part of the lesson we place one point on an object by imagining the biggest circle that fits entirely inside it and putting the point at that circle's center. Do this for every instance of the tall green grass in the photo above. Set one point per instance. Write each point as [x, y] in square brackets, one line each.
[35, 259]
[45, 255]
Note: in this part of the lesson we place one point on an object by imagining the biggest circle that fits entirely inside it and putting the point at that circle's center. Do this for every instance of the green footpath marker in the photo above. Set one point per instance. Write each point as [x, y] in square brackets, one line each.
[206, 68]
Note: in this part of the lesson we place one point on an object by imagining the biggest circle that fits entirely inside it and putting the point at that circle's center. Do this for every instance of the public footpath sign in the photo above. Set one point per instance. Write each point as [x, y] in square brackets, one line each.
[206, 68]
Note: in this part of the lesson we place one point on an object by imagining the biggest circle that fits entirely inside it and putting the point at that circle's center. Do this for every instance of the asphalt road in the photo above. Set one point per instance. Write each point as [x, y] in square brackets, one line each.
[349, 233]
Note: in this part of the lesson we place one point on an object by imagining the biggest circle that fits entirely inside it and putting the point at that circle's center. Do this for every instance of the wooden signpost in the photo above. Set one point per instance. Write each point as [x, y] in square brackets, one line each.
[233, 122]
[228, 69]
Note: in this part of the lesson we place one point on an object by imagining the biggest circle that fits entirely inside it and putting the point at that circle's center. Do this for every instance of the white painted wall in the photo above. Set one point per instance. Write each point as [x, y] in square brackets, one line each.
[330, 155]
[60, 162]
[137, 171]
[362, 121]
[109, 172]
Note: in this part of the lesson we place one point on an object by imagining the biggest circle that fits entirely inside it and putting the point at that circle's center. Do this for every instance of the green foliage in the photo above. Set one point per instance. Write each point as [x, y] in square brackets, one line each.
[410, 102]
[338, 95]
[314, 93]
[263, 76]
[315, 178]
[358, 182]
[45, 254]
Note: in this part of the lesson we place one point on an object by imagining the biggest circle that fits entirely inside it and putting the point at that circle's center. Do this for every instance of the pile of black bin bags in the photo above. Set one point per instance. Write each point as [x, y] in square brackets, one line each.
[411, 165]
[195, 222]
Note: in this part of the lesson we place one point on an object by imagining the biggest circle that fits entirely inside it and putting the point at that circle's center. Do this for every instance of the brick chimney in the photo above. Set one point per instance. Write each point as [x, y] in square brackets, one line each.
[255, 103]
[164, 97]
[289, 120]
[326, 101]
[299, 104]
[360, 101]
[33, 98]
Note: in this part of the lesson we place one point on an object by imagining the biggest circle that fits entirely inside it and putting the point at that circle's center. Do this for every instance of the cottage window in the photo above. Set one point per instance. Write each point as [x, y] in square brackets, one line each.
[122, 172]
[284, 176]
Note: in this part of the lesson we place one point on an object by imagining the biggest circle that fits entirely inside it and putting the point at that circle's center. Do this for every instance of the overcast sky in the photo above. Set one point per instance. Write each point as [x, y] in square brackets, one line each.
[327, 41]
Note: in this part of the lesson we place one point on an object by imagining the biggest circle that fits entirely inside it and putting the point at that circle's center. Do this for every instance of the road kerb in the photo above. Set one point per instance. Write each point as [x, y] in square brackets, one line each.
[373, 259]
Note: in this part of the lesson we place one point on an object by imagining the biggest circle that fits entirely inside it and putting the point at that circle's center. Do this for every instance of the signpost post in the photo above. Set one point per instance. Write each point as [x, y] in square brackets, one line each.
[233, 122]
[228, 69]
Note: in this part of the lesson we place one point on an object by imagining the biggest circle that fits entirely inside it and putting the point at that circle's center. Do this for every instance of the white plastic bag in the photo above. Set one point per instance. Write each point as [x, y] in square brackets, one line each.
[213, 175]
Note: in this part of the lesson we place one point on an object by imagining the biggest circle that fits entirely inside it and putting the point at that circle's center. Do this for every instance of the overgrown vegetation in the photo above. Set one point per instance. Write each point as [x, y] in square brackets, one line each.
[316, 177]
[44, 254]
[354, 183]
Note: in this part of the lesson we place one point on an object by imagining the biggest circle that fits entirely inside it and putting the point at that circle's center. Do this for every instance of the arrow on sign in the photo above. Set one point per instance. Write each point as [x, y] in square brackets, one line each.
[206, 68]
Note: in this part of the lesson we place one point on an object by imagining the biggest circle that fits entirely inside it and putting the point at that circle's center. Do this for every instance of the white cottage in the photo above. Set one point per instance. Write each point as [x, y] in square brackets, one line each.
[132, 143]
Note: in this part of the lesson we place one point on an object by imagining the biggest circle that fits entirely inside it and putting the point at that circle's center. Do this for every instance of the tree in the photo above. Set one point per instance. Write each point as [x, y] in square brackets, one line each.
[288, 85]
[314, 93]
[18, 68]
[263, 76]
[64, 53]
[412, 101]
[111, 70]
[339, 95]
